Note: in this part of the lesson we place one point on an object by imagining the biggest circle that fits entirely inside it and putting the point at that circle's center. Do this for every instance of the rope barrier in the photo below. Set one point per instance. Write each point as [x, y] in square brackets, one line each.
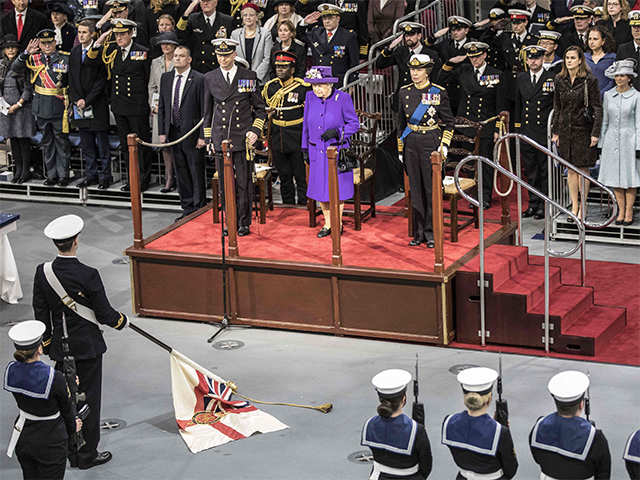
[174, 142]
[502, 131]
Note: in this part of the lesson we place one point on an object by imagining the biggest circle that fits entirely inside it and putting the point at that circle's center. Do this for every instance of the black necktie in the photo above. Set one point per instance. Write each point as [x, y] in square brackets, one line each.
[47, 60]
[477, 72]
[229, 78]
[533, 78]
[175, 110]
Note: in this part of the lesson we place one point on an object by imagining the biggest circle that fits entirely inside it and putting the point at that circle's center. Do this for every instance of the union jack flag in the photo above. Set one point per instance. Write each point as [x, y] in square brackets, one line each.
[205, 413]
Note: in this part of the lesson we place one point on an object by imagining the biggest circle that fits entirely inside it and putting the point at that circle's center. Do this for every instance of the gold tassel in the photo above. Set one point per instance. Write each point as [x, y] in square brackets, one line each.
[65, 114]
[324, 408]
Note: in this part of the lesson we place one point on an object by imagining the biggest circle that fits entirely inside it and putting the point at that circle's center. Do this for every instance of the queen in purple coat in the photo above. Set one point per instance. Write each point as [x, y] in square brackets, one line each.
[329, 117]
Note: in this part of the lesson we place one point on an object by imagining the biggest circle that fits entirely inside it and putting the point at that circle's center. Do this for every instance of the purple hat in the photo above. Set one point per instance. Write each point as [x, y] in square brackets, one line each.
[320, 74]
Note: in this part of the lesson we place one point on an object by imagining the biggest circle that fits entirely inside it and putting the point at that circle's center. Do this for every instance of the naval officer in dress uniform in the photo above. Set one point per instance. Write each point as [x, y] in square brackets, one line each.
[631, 455]
[46, 418]
[399, 444]
[533, 104]
[481, 447]
[285, 97]
[66, 290]
[564, 444]
[234, 110]
[423, 107]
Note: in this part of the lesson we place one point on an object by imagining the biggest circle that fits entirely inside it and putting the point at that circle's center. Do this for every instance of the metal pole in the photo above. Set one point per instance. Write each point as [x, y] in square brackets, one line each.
[546, 276]
[481, 225]
[519, 190]
[583, 217]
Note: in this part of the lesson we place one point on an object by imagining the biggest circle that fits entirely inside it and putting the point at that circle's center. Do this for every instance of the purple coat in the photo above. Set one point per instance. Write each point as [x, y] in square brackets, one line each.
[320, 115]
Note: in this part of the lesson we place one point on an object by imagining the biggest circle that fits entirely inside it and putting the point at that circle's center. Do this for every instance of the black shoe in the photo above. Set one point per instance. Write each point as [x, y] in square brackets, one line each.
[619, 222]
[124, 188]
[87, 183]
[243, 231]
[626, 223]
[415, 242]
[167, 189]
[539, 215]
[103, 185]
[63, 182]
[36, 175]
[102, 457]
[179, 218]
[431, 243]
[15, 180]
[324, 232]
[49, 182]
[529, 212]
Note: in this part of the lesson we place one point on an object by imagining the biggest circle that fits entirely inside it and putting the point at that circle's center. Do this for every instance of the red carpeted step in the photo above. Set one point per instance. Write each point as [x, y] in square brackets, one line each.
[530, 284]
[502, 261]
[598, 323]
[568, 303]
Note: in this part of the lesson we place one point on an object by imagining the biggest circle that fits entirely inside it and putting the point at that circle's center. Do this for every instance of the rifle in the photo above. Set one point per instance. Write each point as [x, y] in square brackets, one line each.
[502, 408]
[417, 412]
[587, 403]
[76, 440]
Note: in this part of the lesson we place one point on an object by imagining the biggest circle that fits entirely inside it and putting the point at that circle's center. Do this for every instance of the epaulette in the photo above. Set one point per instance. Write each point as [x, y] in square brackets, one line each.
[406, 86]
[298, 42]
[62, 52]
[438, 86]
[301, 82]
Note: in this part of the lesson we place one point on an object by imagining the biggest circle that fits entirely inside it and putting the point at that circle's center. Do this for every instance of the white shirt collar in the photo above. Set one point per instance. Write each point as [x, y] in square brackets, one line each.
[23, 13]
[460, 43]
[538, 73]
[233, 72]
[417, 49]
[332, 32]
[67, 256]
[128, 48]
[482, 69]
[211, 19]
[184, 74]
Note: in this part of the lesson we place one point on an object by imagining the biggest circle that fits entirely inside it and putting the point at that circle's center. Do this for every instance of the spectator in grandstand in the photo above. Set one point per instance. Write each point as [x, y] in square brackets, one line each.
[600, 56]
[90, 109]
[254, 41]
[165, 23]
[196, 30]
[381, 16]
[16, 122]
[61, 16]
[284, 11]
[615, 20]
[576, 125]
[620, 139]
[329, 119]
[163, 8]
[168, 41]
[23, 22]
[632, 49]
[286, 41]
[539, 16]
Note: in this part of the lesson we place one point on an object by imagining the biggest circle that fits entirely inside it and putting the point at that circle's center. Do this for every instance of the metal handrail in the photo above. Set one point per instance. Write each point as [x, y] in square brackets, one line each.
[547, 250]
[352, 70]
[417, 11]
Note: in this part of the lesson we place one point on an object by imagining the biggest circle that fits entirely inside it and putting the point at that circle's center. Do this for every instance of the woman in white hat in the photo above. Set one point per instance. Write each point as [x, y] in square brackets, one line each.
[399, 444]
[46, 418]
[620, 139]
[481, 447]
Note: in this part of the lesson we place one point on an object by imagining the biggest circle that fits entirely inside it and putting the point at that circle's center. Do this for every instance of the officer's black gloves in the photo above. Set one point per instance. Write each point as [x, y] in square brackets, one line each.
[329, 134]
[305, 156]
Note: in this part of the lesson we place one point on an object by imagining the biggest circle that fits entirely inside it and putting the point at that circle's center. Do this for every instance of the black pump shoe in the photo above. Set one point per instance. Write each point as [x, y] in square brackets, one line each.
[324, 232]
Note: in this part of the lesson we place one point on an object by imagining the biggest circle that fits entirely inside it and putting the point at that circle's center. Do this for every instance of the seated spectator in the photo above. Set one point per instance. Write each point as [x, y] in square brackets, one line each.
[23, 22]
[284, 11]
[254, 41]
[61, 15]
[165, 23]
[16, 123]
[287, 41]
[600, 56]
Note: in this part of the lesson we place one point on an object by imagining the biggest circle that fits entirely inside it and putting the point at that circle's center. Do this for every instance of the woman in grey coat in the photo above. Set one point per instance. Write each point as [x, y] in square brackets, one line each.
[255, 41]
[16, 120]
[620, 139]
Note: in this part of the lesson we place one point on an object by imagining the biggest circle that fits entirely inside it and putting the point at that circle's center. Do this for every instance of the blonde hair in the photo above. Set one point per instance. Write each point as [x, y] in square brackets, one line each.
[474, 401]
[624, 10]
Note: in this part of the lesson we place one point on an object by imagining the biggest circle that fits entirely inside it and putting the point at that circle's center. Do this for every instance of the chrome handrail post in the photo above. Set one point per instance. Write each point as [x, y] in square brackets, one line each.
[547, 222]
[519, 190]
[481, 245]
[583, 218]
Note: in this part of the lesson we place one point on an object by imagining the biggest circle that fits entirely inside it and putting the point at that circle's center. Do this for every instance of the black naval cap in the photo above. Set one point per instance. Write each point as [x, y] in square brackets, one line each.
[46, 35]
[534, 51]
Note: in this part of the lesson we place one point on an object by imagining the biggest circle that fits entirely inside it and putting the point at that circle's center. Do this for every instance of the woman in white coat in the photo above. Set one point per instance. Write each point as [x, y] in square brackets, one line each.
[255, 41]
[620, 139]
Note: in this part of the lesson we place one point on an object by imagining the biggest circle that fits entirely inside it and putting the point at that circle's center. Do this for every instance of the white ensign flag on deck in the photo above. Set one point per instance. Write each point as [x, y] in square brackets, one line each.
[206, 415]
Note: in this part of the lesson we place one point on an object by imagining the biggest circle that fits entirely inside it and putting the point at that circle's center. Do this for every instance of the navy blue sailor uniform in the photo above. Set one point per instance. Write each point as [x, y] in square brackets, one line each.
[45, 419]
[340, 53]
[86, 343]
[631, 455]
[570, 447]
[425, 123]
[400, 448]
[481, 447]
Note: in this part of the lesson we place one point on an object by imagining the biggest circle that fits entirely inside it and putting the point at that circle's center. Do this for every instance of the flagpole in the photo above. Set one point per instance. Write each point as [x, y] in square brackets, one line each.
[148, 336]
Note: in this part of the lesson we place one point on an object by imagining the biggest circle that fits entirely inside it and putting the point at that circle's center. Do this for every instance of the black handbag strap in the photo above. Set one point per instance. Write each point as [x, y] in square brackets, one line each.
[586, 94]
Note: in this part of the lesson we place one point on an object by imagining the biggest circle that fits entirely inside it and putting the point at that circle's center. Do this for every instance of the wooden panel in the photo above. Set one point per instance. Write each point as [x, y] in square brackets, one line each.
[304, 300]
[399, 308]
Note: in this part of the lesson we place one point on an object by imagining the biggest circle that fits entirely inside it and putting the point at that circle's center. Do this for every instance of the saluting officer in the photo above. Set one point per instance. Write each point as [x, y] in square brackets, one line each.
[492, 35]
[577, 32]
[533, 104]
[399, 444]
[632, 455]
[65, 291]
[50, 79]
[481, 447]
[285, 96]
[46, 418]
[235, 110]
[423, 106]
[548, 40]
[564, 444]
[481, 98]
[128, 66]
[198, 29]
[333, 45]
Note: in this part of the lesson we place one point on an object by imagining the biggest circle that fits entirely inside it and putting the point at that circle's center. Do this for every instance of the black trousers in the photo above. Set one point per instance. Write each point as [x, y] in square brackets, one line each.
[244, 187]
[21, 153]
[40, 462]
[90, 374]
[535, 169]
[189, 166]
[290, 165]
[138, 124]
[95, 150]
[486, 150]
[55, 147]
[417, 151]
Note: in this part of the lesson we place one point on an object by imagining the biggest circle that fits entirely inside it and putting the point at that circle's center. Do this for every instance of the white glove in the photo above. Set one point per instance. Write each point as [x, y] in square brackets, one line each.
[444, 150]
[401, 158]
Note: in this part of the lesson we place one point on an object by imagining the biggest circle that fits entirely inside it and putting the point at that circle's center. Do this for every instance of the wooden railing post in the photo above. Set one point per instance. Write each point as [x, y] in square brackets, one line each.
[230, 211]
[334, 206]
[437, 215]
[134, 190]
[503, 180]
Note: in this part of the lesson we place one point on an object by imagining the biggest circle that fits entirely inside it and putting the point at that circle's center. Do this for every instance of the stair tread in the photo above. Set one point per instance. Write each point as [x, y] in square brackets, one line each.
[595, 321]
[562, 300]
[524, 282]
[495, 257]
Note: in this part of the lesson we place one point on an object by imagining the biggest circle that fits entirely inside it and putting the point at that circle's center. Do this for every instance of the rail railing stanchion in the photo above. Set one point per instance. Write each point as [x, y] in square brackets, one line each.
[436, 211]
[230, 209]
[547, 223]
[134, 190]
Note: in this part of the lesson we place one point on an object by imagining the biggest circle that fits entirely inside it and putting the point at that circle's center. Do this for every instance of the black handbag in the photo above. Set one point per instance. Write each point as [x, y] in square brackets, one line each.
[347, 159]
[588, 109]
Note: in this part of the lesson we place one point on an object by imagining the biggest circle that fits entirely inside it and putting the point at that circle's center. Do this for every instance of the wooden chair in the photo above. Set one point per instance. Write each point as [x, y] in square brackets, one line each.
[364, 143]
[462, 145]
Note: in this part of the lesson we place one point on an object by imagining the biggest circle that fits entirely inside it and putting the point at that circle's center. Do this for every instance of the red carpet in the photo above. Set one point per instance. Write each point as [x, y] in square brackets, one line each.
[382, 242]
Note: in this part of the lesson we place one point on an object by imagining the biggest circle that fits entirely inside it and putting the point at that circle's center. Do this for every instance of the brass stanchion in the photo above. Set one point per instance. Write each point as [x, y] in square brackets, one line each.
[334, 206]
[437, 215]
[230, 211]
[134, 190]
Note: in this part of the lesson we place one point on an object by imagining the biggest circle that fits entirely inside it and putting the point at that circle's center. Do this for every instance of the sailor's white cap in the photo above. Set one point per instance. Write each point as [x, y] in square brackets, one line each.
[477, 379]
[66, 226]
[27, 335]
[568, 386]
[391, 382]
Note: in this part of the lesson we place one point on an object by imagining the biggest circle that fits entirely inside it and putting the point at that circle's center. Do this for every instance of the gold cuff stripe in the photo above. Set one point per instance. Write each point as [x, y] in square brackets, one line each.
[92, 53]
[120, 320]
[182, 24]
[46, 343]
[446, 67]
